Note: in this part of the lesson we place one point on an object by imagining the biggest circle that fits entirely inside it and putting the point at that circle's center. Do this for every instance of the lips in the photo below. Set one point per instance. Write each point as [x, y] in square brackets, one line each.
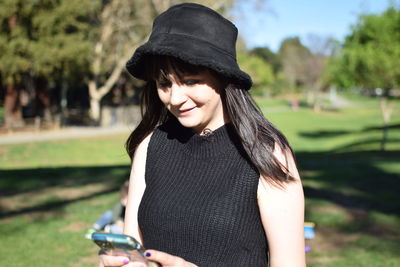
[183, 112]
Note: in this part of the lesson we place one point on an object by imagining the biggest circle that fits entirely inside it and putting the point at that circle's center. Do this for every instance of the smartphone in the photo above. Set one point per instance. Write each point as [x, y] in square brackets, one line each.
[120, 245]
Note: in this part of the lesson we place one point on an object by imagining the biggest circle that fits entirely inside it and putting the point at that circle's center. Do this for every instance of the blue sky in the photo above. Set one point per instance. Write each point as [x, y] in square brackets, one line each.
[278, 19]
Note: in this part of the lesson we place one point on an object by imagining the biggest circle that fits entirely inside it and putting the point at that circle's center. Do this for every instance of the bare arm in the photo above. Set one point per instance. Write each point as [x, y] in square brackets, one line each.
[137, 186]
[282, 215]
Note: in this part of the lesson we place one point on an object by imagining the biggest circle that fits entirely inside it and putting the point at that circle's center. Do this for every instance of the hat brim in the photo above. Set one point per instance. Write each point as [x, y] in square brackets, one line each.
[190, 50]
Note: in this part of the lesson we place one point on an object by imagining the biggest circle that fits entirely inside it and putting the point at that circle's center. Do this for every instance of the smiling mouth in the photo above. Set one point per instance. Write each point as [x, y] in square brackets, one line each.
[185, 111]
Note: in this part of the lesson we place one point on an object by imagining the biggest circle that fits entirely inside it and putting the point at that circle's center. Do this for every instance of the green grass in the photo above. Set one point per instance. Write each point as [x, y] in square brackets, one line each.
[99, 151]
[51, 192]
[351, 187]
[53, 238]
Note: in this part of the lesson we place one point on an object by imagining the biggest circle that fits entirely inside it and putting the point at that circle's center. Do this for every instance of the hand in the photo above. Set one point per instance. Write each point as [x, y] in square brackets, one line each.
[116, 261]
[166, 260]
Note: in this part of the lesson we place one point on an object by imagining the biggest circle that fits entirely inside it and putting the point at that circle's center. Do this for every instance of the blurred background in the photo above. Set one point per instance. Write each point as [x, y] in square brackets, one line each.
[327, 73]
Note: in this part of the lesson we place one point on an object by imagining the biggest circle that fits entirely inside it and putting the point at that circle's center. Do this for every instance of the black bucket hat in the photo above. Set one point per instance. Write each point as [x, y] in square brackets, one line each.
[197, 35]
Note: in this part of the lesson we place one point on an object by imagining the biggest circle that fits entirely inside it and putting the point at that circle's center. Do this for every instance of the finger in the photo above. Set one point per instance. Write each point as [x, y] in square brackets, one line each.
[163, 258]
[135, 264]
[113, 261]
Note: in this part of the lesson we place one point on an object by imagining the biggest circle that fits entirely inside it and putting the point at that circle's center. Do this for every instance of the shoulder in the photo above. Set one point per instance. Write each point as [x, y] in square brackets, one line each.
[286, 158]
[282, 213]
[141, 149]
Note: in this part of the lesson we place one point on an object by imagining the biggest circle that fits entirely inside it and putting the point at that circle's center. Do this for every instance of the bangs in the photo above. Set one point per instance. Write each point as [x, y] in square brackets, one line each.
[159, 67]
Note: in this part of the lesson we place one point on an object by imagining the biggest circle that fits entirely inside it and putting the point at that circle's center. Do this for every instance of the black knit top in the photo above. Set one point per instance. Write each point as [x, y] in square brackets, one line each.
[200, 201]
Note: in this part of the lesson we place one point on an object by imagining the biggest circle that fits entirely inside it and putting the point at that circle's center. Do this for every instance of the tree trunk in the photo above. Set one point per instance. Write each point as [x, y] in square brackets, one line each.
[387, 110]
[96, 94]
[12, 106]
[42, 101]
[63, 103]
[94, 111]
[315, 90]
[317, 105]
[310, 97]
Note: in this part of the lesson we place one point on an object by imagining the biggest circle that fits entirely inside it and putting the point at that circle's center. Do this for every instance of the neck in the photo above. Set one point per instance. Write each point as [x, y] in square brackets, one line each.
[211, 127]
[206, 132]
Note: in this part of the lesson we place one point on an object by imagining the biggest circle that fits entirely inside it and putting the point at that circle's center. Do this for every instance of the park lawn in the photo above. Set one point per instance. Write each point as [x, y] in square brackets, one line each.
[51, 192]
[351, 187]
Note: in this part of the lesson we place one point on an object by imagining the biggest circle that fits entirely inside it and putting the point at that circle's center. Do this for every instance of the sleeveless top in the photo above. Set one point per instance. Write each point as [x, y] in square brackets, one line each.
[200, 201]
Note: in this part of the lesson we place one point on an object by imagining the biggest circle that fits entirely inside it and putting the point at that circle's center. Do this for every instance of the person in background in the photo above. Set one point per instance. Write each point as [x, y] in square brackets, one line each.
[112, 221]
[213, 182]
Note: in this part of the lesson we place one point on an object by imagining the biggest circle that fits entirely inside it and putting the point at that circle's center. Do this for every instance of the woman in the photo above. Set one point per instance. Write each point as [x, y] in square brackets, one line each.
[213, 182]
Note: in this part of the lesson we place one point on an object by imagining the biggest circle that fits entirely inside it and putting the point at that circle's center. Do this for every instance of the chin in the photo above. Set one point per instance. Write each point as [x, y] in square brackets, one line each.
[189, 123]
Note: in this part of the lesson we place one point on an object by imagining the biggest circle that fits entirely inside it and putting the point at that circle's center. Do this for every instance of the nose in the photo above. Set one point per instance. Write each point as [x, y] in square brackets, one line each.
[178, 95]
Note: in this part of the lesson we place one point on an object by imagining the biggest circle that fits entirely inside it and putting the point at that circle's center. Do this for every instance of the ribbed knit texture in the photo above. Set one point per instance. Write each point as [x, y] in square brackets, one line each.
[200, 201]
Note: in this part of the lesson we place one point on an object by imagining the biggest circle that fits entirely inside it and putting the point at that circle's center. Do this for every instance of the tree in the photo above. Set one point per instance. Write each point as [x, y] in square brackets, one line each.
[305, 65]
[293, 54]
[41, 40]
[268, 56]
[14, 58]
[370, 58]
[63, 41]
[260, 71]
[321, 50]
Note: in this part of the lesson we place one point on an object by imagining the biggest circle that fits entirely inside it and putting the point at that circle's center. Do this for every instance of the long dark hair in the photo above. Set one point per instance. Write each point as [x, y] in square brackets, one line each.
[258, 135]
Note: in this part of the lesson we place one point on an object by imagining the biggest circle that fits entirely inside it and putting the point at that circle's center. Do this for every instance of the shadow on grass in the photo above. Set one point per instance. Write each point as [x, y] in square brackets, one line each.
[54, 205]
[26, 180]
[353, 179]
[339, 175]
[380, 128]
[353, 176]
[31, 182]
[335, 133]
[324, 134]
[354, 199]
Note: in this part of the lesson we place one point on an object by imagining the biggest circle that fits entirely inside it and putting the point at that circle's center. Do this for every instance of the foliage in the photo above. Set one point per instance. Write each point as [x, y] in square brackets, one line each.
[260, 71]
[293, 54]
[43, 37]
[369, 57]
[270, 57]
[72, 43]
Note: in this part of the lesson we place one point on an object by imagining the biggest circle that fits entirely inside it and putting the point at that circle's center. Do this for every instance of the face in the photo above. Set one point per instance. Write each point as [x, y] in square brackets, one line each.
[194, 100]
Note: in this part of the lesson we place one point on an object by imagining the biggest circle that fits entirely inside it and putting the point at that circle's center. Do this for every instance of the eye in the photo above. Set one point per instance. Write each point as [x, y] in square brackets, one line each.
[163, 84]
[190, 82]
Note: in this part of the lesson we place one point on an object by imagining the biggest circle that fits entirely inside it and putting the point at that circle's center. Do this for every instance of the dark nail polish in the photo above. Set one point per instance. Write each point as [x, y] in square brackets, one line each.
[147, 254]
